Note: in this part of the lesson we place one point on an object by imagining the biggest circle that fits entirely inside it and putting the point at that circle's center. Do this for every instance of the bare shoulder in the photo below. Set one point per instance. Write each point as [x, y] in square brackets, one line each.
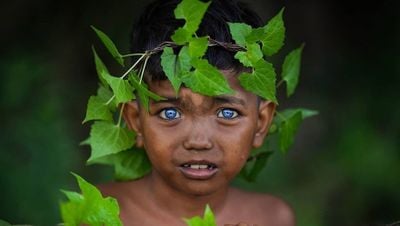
[264, 208]
[111, 188]
[131, 199]
[124, 192]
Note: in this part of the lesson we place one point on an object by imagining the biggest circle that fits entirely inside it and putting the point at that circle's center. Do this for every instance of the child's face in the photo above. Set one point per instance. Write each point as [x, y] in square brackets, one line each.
[195, 143]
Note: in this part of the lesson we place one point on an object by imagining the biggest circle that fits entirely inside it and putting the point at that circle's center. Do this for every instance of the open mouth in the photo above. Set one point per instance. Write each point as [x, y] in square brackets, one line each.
[209, 166]
[198, 170]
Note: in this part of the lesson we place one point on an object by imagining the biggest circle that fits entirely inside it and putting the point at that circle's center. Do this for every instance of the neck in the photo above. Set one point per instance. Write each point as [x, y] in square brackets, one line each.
[179, 204]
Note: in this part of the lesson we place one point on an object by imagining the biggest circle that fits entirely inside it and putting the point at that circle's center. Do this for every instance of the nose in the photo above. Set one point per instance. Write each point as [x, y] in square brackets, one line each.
[199, 136]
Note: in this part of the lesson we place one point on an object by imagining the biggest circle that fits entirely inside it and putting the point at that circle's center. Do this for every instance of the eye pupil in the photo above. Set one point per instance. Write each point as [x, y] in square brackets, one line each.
[170, 113]
[227, 113]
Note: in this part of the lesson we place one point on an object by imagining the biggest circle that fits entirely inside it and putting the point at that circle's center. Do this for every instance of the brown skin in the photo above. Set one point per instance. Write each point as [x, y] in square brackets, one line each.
[198, 132]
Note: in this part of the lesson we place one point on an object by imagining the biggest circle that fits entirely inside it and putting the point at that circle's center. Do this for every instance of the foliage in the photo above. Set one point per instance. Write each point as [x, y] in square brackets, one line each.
[92, 209]
[89, 207]
[112, 143]
[128, 165]
[207, 220]
[189, 67]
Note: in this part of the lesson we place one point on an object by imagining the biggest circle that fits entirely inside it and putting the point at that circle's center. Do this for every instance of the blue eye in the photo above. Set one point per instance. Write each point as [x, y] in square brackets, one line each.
[227, 113]
[170, 114]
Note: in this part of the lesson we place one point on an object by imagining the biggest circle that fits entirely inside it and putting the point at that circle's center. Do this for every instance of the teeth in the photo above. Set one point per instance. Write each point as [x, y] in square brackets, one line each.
[196, 166]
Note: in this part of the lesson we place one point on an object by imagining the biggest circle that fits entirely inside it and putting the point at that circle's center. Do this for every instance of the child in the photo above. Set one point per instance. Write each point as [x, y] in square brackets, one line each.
[197, 144]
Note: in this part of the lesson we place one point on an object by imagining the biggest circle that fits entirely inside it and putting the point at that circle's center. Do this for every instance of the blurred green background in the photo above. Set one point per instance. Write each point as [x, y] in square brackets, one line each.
[344, 168]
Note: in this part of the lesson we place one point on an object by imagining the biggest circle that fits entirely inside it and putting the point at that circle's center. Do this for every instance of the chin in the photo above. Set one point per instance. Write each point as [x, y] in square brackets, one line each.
[202, 187]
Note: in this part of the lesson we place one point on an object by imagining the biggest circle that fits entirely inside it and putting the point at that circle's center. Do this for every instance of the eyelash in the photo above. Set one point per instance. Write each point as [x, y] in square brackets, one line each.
[234, 113]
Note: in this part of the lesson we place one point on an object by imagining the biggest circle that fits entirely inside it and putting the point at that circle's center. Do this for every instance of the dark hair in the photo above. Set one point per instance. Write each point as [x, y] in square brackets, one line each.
[158, 23]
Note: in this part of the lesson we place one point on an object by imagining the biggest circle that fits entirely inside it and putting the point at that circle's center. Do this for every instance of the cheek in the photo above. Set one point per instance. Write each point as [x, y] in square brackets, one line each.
[158, 144]
[238, 138]
[163, 145]
[236, 147]
[237, 151]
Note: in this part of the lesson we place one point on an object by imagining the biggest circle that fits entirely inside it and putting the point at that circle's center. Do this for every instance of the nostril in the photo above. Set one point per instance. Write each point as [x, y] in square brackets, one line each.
[197, 144]
[198, 136]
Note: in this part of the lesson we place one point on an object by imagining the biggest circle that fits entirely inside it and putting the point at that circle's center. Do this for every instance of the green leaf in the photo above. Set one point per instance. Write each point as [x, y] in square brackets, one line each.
[85, 142]
[192, 11]
[272, 129]
[73, 196]
[305, 113]
[260, 162]
[206, 80]
[251, 56]
[257, 161]
[209, 216]
[288, 130]
[106, 95]
[287, 123]
[291, 70]
[207, 220]
[239, 32]
[256, 35]
[107, 138]
[109, 45]
[97, 110]
[123, 91]
[168, 63]
[184, 64]
[181, 36]
[142, 90]
[243, 58]
[195, 221]
[128, 165]
[100, 67]
[90, 208]
[274, 35]
[198, 47]
[261, 82]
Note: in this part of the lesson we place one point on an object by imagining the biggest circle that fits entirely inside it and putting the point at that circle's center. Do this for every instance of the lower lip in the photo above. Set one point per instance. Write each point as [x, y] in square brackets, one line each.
[198, 174]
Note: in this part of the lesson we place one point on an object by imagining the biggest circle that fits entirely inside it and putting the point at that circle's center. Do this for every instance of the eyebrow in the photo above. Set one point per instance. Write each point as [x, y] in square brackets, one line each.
[217, 99]
[229, 99]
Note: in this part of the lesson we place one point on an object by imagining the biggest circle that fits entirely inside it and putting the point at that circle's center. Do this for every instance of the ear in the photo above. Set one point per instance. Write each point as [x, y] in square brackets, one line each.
[266, 112]
[131, 114]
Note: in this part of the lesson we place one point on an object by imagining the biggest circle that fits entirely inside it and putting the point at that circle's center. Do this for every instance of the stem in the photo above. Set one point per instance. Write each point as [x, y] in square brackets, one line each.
[133, 66]
[280, 83]
[132, 54]
[143, 69]
[111, 99]
[120, 114]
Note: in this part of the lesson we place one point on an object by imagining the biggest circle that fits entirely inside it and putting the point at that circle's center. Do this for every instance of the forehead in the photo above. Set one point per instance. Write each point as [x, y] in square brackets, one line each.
[240, 96]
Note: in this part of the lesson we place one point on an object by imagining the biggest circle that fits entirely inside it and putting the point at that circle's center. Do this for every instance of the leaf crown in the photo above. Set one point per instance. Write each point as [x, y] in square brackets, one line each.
[183, 62]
